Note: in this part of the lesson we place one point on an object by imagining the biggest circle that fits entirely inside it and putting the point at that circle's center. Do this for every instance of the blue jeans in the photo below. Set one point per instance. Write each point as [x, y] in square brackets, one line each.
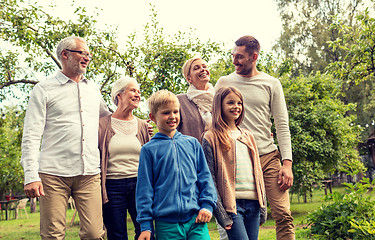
[246, 222]
[121, 196]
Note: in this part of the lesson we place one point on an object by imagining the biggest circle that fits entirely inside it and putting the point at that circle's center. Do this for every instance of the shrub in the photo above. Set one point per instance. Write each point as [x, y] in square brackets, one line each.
[348, 216]
[364, 229]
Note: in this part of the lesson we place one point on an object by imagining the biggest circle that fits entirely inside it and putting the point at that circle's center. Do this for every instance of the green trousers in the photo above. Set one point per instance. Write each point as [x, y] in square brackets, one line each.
[181, 231]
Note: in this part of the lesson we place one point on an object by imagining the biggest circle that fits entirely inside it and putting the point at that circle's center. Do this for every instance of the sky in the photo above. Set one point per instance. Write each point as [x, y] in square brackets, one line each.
[217, 20]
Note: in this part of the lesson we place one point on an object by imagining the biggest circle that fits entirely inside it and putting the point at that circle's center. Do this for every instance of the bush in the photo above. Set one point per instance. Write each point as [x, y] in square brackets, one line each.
[347, 216]
[364, 229]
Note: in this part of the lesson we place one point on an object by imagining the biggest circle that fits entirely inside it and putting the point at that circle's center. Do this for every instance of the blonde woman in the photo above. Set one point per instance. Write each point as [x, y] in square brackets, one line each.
[196, 104]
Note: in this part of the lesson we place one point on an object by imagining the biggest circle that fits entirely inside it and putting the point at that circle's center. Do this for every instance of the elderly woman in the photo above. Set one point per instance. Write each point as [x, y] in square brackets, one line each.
[196, 104]
[121, 136]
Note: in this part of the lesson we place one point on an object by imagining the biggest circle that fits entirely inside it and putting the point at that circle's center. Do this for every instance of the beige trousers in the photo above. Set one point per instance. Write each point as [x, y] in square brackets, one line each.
[278, 199]
[86, 192]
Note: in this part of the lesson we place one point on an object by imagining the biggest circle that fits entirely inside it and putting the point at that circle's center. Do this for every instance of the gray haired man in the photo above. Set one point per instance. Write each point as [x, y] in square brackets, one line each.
[63, 112]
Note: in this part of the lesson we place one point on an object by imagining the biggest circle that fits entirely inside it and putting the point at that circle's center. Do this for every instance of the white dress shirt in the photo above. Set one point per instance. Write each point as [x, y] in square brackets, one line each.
[65, 115]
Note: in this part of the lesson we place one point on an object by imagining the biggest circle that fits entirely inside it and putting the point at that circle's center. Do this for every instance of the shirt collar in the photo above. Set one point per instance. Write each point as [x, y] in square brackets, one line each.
[64, 79]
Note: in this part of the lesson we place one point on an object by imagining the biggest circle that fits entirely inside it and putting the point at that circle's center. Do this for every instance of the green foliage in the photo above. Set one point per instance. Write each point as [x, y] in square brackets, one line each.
[322, 137]
[356, 67]
[358, 63]
[320, 129]
[307, 175]
[10, 69]
[348, 216]
[352, 167]
[268, 64]
[364, 229]
[11, 174]
[157, 59]
[306, 31]
[31, 34]
[221, 67]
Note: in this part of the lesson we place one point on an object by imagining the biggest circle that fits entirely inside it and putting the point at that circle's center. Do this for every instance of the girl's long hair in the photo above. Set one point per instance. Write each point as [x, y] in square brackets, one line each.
[219, 127]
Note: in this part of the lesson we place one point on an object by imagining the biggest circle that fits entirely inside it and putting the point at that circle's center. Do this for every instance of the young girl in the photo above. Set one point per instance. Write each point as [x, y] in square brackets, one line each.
[233, 159]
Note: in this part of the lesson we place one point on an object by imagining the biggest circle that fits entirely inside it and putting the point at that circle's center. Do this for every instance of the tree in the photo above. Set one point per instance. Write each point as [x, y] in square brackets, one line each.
[11, 174]
[356, 67]
[306, 31]
[32, 34]
[155, 61]
[322, 137]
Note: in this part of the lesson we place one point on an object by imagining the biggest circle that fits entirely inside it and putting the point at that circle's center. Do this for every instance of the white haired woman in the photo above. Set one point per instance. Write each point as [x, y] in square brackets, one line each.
[121, 136]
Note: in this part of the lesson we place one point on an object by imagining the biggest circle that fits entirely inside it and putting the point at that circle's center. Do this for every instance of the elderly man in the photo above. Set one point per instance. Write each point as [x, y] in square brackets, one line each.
[64, 111]
[263, 98]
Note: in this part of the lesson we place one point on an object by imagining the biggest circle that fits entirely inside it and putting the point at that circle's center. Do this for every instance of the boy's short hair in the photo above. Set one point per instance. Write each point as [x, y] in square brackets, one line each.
[160, 98]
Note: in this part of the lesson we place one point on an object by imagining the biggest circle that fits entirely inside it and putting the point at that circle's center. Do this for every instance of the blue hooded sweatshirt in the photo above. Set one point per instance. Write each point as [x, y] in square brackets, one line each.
[174, 182]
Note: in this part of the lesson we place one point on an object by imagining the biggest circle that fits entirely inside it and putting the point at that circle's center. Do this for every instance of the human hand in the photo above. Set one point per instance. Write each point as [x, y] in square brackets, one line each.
[145, 235]
[34, 189]
[228, 227]
[150, 128]
[204, 216]
[286, 175]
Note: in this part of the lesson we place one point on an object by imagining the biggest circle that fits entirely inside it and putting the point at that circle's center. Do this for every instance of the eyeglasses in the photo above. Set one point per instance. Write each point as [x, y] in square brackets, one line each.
[82, 53]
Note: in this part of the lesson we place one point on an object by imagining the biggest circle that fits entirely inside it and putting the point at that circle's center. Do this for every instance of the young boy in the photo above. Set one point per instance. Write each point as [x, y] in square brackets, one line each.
[174, 184]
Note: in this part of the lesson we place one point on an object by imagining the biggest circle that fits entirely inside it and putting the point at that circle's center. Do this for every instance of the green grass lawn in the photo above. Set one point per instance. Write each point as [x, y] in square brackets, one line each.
[23, 228]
